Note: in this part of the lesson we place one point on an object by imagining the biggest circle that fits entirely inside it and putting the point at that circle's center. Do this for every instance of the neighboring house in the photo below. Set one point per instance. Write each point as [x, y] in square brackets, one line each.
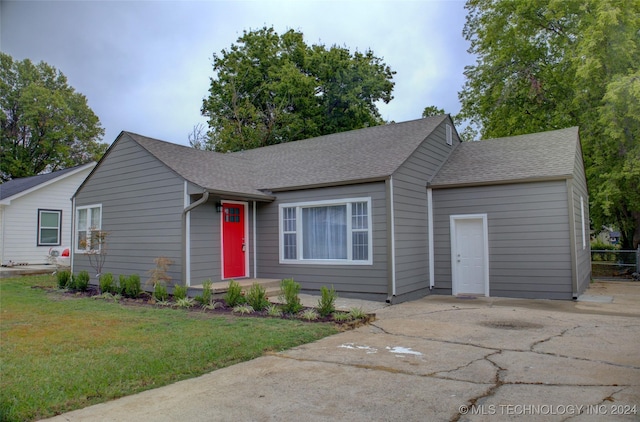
[35, 214]
[378, 213]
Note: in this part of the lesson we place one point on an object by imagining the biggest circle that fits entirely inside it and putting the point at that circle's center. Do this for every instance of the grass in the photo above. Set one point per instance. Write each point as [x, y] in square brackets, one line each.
[59, 354]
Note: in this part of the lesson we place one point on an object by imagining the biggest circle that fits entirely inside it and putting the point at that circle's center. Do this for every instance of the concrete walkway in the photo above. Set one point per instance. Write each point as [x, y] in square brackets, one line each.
[438, 359]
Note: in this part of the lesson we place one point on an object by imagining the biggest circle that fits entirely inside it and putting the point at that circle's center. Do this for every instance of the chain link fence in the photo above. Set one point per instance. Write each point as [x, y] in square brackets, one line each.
[623, 264]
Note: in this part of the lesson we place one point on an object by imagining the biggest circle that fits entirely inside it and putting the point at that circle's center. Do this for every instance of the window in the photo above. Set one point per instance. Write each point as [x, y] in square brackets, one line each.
[449, 135]
[88, 226]
[49, 227]
[326, 232]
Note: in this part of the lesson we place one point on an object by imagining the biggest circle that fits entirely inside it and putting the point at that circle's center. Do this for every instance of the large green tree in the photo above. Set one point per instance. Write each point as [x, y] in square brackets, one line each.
[270, 88]
[549, 64]
[44, 124]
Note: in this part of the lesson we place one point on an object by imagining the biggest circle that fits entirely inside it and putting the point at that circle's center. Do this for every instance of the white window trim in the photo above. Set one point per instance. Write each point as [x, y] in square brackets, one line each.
[331, 202]
[75, 230]
[59, 212]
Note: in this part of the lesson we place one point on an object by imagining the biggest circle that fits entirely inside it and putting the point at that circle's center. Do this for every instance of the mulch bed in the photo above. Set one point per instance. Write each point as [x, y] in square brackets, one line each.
[146, 300]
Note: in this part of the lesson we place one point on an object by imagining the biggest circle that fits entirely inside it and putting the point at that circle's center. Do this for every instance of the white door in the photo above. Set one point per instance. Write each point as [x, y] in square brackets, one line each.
[469, 255]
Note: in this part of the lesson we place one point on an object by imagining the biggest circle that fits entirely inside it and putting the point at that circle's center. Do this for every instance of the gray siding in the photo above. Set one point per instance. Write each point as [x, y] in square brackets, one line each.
[528, 223]
[142, 202]
[361, 280]
[205, 244]
[410, 210]
[582, 226]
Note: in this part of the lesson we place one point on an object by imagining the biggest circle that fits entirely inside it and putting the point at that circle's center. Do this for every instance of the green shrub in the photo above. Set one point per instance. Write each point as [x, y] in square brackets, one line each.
[327, 301]
[274, 311]
[106, 283]
[160, 293]
[309, 314]
[206, 293]
[257, 297]
[290, 290]
[243, 309]
[81, 281]
[184, 302]
[179, 291]
[132, 286]
[342, 316]
[122, 285]
[64, 278]
[357, 313]
[234, 297]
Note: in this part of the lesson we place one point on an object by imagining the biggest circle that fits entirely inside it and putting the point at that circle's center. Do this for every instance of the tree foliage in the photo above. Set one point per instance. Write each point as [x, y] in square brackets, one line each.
[44, 124]
[270, 88]
[550, 64]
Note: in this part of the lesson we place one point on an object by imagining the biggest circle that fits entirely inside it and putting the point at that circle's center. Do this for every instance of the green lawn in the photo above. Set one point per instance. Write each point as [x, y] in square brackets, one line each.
[58, 353]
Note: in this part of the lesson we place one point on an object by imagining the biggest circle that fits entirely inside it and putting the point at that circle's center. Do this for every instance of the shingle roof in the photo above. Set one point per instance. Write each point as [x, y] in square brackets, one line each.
[16, 186]
[357, 155]
[536, 156]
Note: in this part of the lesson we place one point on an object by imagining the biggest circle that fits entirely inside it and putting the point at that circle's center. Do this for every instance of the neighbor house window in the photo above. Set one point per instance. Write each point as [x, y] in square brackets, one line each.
[326, 232]
[88, 226]
[49, 227]
[449, 134]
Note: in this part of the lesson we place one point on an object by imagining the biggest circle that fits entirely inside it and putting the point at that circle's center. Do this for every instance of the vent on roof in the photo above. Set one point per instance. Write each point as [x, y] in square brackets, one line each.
[449, 135]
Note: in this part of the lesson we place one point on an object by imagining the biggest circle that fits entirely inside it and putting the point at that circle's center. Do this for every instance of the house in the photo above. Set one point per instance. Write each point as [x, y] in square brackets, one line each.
[386, 213]
[35, 214]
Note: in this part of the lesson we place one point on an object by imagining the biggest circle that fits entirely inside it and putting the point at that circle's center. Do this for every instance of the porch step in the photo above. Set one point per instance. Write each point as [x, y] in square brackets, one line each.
[220, 288]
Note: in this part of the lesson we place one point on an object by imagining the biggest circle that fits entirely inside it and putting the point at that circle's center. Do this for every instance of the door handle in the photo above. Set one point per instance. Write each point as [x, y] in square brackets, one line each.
[244, 247]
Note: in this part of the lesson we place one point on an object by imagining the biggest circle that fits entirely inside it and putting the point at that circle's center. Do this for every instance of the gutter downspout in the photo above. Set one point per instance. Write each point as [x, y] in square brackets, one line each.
[72, 243]
[391, 243]
[186, 238]
[430, 238]
[255, 248]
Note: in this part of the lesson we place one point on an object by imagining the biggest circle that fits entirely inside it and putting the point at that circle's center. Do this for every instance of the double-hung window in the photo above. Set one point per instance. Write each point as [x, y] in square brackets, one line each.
[49, 227]
[326, 232]
[88, 226]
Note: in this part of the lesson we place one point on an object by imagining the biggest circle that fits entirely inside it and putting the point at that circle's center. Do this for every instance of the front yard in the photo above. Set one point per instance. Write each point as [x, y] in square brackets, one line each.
[59, 353]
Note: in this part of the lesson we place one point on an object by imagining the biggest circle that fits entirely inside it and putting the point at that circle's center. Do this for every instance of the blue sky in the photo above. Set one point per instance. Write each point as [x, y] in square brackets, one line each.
[145, 66]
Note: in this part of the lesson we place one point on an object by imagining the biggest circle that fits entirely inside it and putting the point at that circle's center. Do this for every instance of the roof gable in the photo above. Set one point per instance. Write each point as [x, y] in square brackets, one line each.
[537, 156]
[15, 188]
[357, 155]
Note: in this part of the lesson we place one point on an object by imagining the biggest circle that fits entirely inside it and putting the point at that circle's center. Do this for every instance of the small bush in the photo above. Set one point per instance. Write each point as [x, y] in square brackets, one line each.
[357, 313]
[309, 314]
[106, 283]
[342, 316]
[81, 281]
[243, 309]
[234, 297]
[274, 311]
[185, 302]
[64, 278]
[327, 301]
[257, 297]
[122, 284]
[212, 305]
[132, 286]
[160, 293]
[290, 290]
[179, 291]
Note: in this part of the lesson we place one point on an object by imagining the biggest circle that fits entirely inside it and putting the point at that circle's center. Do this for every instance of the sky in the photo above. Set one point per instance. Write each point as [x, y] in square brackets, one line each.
[145, 66]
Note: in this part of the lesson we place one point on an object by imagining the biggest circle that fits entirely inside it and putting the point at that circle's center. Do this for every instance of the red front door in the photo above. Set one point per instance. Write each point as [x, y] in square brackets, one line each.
[233, 241]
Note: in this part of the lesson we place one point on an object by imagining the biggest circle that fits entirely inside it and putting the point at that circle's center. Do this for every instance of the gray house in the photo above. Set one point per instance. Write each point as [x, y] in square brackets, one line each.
[390, 212]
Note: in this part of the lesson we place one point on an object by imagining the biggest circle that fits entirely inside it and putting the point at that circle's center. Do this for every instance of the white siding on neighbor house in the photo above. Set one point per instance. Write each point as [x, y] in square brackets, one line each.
[142, 202]
[20, 219]
[529, 238]
[410, 212]
[366, 281]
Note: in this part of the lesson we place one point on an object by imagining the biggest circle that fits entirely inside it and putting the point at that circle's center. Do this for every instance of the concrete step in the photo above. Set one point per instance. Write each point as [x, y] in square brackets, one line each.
[219, 289]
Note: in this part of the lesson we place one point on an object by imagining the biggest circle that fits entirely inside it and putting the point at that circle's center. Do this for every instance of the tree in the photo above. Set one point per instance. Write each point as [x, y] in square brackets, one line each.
[550, 64]
[44, 124]
[271, 88]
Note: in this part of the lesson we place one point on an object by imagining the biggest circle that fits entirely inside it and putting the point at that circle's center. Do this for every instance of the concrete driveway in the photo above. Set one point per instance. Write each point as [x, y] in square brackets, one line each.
[437, 359]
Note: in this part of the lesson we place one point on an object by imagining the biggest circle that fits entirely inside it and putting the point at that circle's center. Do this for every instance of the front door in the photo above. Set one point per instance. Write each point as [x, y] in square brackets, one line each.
[469, 255]
[233, 240]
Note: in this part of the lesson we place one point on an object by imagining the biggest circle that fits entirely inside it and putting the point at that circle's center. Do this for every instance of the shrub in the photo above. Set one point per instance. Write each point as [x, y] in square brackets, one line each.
[257, 297]
[132, 286]
[243, 309]
[179, 291]
[185, 302]
[122, 284]
[327, 301]
[274, 311]
[64, 279]
[357, 313]
[342, 316]
[205, 298]
[234, 297]
[106, 283]
[160, 293]
[309, 314]
[81, 281]
[290, 290]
